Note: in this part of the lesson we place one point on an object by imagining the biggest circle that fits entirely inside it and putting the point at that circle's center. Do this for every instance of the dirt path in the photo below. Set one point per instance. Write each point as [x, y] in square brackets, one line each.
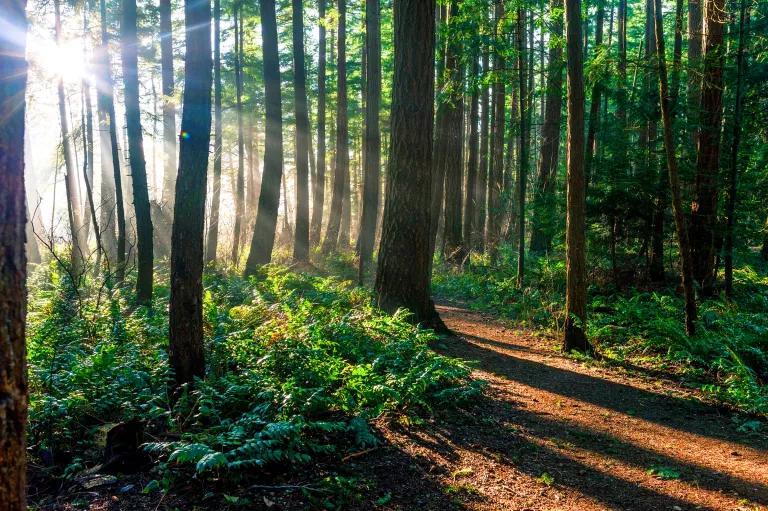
[556, 434]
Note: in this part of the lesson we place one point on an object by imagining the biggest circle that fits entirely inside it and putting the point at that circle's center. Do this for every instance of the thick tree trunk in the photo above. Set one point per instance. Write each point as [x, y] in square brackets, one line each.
[169, 104]
[269, 198]
[301, 228]
[575, 247]
[13, 264]
[372, 136]
[470, 190]
[733, 164]
[402, 277]
[482, 175]
[704, 210]
[453, 249]
[129, 48]
[70, 179]
[186, 303]
[674, 180]
[213, 229]
[110, 153]
[496, 172]
[525, 122]
[542, 226]
[341, 167]
[240, 185]
[318, 192]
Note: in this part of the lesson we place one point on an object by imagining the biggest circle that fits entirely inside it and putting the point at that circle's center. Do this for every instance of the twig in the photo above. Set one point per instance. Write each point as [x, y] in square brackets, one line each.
[356, 454]
[288, 487]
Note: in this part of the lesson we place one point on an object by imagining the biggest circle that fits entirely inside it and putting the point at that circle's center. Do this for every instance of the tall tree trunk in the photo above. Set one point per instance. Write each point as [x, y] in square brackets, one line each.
[482, 175]
[575, 247]
[129, 48]
[240, 186]
[13, 264]
[186, 302]
[674, 180]
[470, 191]
[594, 107]
[70, 182]
[301, 228]
[677, 54]
[318, 192]
[341, 168]
[402, 276]
[269, 198]
[110, 152]
[733, 167]
[213, 229]
[169, 103]
[496, 173]
[372, 140]
[695, 46]
[525, 121]
[454, 250]
[542, 225]
[704, 211]
[439, 152]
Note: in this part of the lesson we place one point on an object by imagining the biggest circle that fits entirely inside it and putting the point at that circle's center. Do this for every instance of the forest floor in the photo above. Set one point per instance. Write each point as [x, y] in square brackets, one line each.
[550, 433]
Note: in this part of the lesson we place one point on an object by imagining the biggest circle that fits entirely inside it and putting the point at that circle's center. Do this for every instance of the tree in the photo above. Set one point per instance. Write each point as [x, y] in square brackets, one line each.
[301, 229]
[496, 172]
[70, 179]
[112, 180]
[541, 228]
[674, 180]
[13, 264]
[733, 164]
[453, 133]
[213, 230]
[169, 103]
[402, 276]
[372, 135]
[470, 196]
[341, 169]
[269, 198]
[186, 302]
[575, 246]
[318, 191]
[704, 210]
[482, 174]
[129, 49]
[524, 145]
[240, 183]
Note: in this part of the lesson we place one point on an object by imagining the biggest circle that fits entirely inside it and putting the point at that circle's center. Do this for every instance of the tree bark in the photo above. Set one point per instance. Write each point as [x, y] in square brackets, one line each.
[542, 225]
[318, 192]
[169, 103]
[13, 264]
[301, 228]
[341, 168]
[496, 172]
[674, 180]
[269, 198]
[240, 184]
[453, 249]
[525, 113]
[470, 191]
[594, 107]
[482, 175]
[733, 164]
[372, 136]
[704, 209]
[695, 45]
[213, 229]
[575, 247]
[186, 302]
[402, 277]
[129, 49]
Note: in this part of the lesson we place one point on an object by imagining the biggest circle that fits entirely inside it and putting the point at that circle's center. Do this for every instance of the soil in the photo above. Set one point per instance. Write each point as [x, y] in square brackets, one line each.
[550, 433]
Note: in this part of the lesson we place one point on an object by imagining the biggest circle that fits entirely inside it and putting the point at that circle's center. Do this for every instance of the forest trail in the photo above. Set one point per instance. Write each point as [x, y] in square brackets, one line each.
[552, 433]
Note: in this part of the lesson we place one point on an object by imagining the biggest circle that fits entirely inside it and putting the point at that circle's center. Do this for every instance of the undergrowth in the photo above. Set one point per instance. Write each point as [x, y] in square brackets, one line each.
[297, 366]
[727, 359]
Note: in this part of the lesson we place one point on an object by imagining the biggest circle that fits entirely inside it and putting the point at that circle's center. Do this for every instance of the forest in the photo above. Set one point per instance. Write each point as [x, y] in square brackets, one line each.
[383, 255]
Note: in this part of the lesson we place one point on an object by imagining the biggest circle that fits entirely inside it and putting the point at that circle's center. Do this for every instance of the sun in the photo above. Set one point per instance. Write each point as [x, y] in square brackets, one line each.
[65, 59]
